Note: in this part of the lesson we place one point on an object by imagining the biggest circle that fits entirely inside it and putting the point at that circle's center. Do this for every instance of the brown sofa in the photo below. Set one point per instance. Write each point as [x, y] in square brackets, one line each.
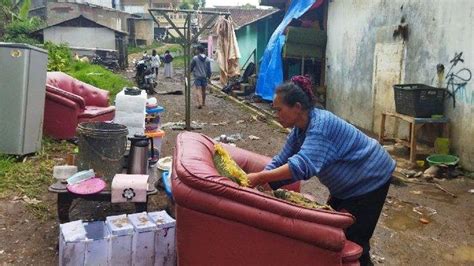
[220, 223]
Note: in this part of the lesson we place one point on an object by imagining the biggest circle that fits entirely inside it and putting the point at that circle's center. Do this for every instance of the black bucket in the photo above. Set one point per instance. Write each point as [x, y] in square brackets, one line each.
[101, 147]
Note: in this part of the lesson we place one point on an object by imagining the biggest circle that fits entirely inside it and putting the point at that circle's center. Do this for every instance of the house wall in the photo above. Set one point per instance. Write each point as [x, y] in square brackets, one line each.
[58, 12]
[247, 37]
[144, 30]
[364, 58]
[81, 37]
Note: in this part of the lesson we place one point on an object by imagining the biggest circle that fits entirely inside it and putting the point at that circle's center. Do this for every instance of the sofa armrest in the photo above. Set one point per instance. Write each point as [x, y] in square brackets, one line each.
[65, 101]
[51, 90]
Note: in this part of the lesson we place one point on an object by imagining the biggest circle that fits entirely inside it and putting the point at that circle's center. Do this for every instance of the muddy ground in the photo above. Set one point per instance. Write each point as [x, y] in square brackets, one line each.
[445, 238]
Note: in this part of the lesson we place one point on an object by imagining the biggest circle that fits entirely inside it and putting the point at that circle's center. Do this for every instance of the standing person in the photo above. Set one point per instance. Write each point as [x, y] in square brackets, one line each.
[167, 60]
[155, 63]
[201, 69]
[355, 168]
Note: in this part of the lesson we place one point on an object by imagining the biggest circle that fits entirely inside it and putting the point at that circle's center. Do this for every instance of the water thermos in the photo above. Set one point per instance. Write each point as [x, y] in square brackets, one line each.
[138, 157]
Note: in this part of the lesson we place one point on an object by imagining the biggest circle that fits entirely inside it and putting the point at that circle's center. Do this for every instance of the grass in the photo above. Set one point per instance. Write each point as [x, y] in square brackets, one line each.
[31, 176]
[158, 46]
[175, 49]
[100, 77]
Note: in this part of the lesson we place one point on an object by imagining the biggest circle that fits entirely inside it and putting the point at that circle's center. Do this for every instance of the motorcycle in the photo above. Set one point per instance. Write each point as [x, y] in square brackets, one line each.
[144, 75]
[109, 63]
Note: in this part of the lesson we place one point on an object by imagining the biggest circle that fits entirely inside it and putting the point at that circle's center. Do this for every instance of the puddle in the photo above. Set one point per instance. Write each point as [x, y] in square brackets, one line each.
[462, 254]
[401, 217]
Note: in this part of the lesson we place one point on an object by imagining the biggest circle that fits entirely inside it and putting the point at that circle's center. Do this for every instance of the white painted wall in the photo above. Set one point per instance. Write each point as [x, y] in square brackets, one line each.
[438, 29]
[134, 9]
[82, 37]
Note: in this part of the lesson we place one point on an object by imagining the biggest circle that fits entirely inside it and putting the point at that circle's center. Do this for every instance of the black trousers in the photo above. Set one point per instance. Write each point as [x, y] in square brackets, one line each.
[366, 209]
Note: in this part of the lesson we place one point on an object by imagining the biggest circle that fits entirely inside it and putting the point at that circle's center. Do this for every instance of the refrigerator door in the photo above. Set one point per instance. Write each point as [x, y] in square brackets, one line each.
[22, 95]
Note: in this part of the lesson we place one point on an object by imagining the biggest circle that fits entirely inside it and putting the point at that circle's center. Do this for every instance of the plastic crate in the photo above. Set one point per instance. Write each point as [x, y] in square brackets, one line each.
[419, 100]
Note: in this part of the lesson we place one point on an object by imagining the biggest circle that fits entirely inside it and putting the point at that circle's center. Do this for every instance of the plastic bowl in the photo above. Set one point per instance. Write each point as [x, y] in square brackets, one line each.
[445, 159]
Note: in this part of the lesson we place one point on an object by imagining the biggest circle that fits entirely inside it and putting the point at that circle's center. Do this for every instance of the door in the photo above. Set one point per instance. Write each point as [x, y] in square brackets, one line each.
[388, 69]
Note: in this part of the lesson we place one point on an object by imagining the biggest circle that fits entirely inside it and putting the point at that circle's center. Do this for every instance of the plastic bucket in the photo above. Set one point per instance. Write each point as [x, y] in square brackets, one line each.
[101, 147]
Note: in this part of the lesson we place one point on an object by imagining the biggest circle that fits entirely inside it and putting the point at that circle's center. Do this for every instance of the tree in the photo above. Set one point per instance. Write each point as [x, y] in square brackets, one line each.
[194, 4]
[16, 26]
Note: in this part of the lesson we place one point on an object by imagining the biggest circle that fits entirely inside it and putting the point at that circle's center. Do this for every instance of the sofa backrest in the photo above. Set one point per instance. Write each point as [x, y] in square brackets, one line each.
[92, 95]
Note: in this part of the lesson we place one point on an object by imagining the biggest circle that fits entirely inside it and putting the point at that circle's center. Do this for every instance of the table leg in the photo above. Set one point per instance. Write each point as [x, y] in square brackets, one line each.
[382, 128]
[446, 130]
[412, 142]
[64, 204]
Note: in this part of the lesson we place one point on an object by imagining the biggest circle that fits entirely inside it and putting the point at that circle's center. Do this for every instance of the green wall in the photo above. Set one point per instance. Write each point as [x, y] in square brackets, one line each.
[256, 36]
[247, 39]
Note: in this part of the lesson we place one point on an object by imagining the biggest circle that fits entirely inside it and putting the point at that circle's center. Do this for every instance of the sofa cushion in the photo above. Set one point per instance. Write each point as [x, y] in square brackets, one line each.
[94, 111]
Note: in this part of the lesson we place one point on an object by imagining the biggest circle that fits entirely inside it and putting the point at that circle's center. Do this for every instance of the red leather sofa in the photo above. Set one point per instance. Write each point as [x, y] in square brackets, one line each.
[220, 223]
[69, 102]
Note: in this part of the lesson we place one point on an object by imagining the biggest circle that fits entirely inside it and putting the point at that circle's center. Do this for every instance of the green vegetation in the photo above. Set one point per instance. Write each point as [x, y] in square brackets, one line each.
[15, 26]
[59, 56]
[99, 76]
[29, 178]
[60, 59]
[159, 47]
[192, 4]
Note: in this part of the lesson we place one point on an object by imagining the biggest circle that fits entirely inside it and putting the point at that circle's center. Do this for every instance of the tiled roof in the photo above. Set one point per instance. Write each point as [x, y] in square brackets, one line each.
[242, 16]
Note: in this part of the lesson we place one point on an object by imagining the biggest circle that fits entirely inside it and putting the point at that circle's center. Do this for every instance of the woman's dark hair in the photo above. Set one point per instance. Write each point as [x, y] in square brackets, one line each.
[153, 53]
[167, 51]
[298, 90]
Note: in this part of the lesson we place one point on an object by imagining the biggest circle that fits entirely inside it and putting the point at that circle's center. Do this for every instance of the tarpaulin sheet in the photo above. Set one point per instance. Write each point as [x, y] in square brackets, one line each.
[271, 68]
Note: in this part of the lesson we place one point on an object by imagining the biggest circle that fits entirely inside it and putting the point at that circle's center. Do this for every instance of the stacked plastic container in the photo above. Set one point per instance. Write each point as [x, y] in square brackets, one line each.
[136, 239]
[130, 110]
[153, 124]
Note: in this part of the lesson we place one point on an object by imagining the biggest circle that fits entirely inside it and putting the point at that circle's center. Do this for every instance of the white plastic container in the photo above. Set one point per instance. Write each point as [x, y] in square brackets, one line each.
[143, 246]
[83, 243]
[121, 234]
[72, 243]
[130, 110]
[63, 172]
[165, 238]
[97, 244]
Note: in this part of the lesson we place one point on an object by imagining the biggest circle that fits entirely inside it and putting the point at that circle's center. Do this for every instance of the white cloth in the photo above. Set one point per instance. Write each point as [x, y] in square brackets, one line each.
[168, 70]
[227, 49]
[155, 61]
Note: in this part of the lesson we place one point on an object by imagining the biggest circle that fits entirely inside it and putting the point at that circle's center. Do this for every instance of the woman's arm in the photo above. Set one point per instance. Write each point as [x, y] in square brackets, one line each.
[280, 173]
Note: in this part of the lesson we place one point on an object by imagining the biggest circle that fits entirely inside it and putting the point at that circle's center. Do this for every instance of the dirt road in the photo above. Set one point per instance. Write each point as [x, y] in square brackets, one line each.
[443, 238]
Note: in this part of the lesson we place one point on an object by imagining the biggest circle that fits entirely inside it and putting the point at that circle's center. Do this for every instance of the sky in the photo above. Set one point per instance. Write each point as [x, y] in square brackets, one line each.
[210, 3]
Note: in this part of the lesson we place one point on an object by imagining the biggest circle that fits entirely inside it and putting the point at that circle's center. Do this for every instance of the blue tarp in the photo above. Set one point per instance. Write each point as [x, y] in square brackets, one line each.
[271, 69]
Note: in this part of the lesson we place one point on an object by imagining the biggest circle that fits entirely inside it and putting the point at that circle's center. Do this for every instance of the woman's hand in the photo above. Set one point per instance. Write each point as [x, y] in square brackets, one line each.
[254, 179]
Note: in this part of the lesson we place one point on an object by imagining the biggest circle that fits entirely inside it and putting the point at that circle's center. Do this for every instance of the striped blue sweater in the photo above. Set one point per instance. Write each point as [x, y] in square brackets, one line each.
[346, 161]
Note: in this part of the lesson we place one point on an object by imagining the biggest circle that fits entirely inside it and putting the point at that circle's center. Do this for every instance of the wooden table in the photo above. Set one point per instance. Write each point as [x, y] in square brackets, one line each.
[65, 198]
[415, 124]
